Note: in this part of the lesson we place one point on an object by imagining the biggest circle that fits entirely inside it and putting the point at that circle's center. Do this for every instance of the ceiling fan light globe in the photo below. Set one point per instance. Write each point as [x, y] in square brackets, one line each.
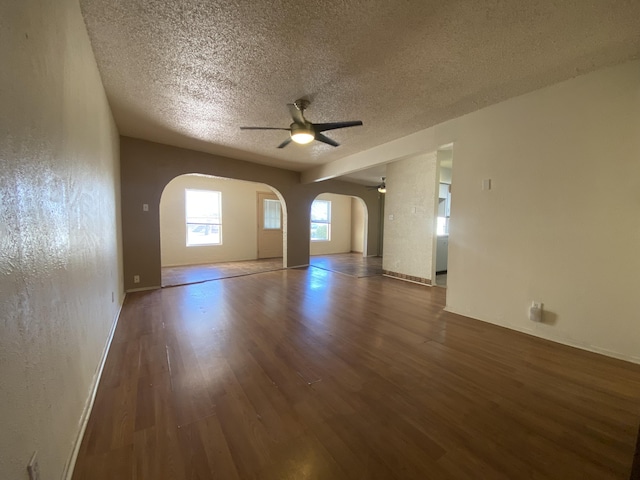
[301, 134]
[302, 137]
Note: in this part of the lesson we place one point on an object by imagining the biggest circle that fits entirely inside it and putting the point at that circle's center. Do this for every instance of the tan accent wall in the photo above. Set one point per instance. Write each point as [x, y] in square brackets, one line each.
[60, 252]
[340, 226]
[239, 221]
[147, 167]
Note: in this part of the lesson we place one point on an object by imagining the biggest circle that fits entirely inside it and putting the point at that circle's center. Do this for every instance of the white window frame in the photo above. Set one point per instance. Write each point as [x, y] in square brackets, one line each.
[264, 213]
[208, 222]
[326, 222]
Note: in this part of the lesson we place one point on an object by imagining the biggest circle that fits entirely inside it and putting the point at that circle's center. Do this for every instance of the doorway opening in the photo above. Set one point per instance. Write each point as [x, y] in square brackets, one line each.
[338, 236]
[209, 229]
[443, 214]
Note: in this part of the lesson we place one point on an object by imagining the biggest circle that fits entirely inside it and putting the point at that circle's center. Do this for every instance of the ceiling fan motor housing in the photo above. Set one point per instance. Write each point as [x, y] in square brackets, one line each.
[297, 128]
[301, 104]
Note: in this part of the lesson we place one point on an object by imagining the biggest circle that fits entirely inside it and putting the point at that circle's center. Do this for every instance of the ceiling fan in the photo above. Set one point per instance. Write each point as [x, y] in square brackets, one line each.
[302, 131]
[382, 187]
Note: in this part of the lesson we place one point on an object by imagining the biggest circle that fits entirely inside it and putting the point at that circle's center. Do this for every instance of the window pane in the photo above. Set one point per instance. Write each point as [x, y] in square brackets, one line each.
[271, 214]
[443, 226]
[321, 211]
[203, 206]
[320, 231]
[203, 217]
[203, 234]
[321, 220]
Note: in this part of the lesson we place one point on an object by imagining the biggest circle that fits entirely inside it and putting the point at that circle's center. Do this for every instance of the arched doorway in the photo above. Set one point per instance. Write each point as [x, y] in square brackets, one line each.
[339, 235]
[209, 229]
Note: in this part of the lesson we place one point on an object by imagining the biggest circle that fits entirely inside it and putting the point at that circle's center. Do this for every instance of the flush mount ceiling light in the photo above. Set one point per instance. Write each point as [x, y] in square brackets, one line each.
[302, 131]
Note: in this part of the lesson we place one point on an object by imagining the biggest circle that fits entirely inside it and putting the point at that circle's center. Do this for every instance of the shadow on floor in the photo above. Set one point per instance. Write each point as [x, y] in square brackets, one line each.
[352, 264]
[184, 275]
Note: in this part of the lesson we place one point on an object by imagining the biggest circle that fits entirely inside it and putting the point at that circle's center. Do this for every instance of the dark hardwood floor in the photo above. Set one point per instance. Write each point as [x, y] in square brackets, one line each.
[353, 264]
[309, 374]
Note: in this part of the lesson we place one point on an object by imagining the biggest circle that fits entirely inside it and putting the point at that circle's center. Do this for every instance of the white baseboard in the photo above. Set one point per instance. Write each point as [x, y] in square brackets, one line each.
[560, 340]
[143, 289]
[86, 412]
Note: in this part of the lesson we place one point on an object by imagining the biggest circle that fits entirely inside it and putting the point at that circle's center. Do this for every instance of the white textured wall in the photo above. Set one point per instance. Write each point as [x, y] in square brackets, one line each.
[410, 200]
[340, 226]
[561, 223]
[357, 225]
[239, 221]
[59, 231]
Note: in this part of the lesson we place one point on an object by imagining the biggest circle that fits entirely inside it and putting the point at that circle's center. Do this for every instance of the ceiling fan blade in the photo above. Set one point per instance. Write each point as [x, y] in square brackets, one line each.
[264, 128]
[296, 114]
[321, 138]
[323, 127]
[285, 143]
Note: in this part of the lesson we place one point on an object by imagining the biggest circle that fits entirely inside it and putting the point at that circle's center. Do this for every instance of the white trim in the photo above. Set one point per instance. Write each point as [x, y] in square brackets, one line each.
[143, 289]
[561, 341]
[88, 406]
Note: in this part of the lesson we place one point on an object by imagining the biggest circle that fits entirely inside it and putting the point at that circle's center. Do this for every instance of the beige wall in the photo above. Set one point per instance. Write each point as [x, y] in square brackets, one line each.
[148, 167]
[357, 225]
[59, 232]
[410, 216]
[340, 226]
[561, 223]
[239, 221]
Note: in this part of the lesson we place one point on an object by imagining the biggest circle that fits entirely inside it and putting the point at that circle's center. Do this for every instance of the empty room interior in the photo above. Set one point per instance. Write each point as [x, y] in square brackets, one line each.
[328, 240]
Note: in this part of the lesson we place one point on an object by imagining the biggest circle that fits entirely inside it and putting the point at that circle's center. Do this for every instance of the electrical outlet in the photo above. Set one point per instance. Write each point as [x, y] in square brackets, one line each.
[33, 469]
[145, 207]
[136, 279]
[535, 311]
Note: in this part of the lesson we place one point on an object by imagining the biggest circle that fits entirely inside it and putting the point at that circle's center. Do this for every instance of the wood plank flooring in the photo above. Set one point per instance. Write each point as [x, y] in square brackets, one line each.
[309, 374]
[353, 264]
[187, 274]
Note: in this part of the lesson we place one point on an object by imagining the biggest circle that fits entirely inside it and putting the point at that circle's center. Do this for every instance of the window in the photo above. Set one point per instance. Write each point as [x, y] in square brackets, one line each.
[321, 221]
[203, 214]
[271, 210]
[443, 226]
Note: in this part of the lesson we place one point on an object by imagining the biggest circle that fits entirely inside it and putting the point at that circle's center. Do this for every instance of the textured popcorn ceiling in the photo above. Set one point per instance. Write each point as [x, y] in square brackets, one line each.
[191, 72]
